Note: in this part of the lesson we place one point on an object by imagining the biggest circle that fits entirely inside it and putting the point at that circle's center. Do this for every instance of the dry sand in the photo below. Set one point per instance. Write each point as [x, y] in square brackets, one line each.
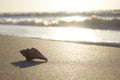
[66, 61]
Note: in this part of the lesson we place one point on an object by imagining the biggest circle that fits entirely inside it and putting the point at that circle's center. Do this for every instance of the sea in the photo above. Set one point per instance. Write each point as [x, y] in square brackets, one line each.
[95, 27]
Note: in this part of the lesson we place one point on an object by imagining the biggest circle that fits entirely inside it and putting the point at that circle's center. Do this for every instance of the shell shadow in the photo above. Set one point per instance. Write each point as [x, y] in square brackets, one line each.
[26, 63]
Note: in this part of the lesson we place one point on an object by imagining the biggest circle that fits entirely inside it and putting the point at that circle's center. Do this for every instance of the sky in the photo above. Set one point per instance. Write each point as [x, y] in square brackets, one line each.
[57, 5]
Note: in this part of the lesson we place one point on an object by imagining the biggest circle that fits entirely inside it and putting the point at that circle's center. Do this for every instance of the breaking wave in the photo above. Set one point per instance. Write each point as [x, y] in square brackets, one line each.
[96, 20]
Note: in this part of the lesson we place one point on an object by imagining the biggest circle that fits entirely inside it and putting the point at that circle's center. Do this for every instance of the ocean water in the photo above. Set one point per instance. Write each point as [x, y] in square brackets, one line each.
[101, 27]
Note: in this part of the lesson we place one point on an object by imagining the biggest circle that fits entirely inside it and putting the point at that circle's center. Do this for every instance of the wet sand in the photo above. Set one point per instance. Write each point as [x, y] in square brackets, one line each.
[66, 61]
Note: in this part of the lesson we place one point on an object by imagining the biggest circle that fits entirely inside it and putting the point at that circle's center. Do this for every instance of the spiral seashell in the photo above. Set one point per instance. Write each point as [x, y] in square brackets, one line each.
[33, 53]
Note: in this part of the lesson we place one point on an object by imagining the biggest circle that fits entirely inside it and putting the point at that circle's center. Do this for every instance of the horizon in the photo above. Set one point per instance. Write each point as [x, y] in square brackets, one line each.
[65, 12]
[25, 6]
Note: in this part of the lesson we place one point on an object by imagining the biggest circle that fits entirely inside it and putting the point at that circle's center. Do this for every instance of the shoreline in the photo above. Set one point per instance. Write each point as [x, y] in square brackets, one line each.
[109, 44]
[65, 60]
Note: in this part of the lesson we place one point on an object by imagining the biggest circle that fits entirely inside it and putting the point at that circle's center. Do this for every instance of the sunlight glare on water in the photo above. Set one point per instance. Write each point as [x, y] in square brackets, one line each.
[75, 34]
[74, 18]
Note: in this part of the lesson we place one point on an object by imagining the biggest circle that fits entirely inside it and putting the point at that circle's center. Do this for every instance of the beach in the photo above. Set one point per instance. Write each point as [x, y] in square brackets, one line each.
[66, 61]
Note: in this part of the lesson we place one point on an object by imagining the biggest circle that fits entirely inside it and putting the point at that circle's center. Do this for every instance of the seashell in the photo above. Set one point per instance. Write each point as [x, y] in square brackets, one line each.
[33, 53]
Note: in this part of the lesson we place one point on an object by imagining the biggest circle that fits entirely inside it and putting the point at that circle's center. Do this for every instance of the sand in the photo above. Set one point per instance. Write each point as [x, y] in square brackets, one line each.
[66, 61]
